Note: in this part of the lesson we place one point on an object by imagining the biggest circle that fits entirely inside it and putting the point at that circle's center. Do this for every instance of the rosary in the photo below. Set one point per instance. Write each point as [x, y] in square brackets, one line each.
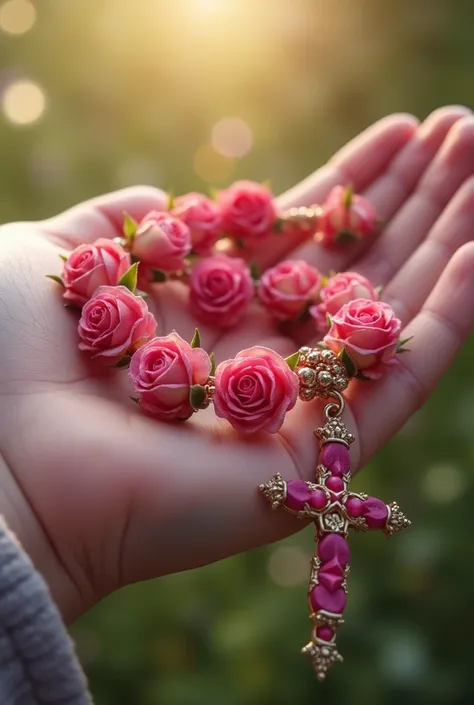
[203, 242]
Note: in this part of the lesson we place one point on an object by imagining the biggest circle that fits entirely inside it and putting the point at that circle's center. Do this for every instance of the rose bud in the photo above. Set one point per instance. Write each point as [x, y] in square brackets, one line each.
[369, 331]
[247, 210]
[345, 217]
[114, 323]
[162, 242]
[90, 266]
[255, 390]
[163, 372]
[221, 289]
[286, 289]
[203, 218]
[341, 289]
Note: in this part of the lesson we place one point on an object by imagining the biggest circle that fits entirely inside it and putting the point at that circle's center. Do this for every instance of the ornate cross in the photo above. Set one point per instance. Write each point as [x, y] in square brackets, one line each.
[334, 510]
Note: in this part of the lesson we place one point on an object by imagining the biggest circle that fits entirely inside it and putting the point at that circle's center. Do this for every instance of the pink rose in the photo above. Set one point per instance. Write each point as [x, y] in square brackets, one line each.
[286, 289]
[162, 242]
[341, 289]
[221, 289]
[90, 266]
[203, 218]
[114, 323]
[369, 330]
[255, 390]
[247, 209]
[346, 217]
[162, 373]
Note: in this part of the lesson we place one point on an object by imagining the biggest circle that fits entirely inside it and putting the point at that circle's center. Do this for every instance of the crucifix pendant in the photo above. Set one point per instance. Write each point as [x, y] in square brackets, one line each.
[334, 509]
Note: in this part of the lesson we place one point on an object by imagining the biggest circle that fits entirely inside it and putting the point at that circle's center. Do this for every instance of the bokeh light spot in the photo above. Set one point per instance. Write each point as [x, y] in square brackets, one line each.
[17, 16]
[443, 483]
[232, 137]
[211, 166]
[23, 102]
[289, 566]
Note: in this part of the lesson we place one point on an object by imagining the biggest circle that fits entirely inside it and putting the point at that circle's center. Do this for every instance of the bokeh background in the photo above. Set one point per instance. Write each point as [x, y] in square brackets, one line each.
[191, 94]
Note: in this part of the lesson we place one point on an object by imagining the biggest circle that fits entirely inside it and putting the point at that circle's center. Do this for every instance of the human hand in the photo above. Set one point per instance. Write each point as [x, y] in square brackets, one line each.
[101, 495]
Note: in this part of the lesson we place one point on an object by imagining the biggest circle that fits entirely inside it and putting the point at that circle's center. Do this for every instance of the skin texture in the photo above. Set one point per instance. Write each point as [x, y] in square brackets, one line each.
[99, 494]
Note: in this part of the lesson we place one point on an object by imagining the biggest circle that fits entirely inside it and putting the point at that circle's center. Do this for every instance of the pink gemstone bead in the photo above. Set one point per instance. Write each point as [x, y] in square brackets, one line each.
[375, 512]
[336, 457]
[334, 546]
[297, 494]
[323, 599]
[331, 575]
[318, 499]
[355, 507]
[324, 633]
[335, 484]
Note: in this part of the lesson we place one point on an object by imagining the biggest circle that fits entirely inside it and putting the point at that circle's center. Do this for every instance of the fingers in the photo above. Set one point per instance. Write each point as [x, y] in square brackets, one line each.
[389, 193]
[438, 331]
[407, 291]
[360, 162]
[453, 164]
[103, 216]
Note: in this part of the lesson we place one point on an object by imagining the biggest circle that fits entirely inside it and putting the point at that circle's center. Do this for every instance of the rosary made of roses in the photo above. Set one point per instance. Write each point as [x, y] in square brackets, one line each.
[203, 242]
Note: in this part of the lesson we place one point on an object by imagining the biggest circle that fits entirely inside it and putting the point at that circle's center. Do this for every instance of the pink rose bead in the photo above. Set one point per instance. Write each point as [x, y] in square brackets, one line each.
[324, 633]
[89, 266]
[162, 372]
[344, 220]
[247, 210]
[375, 512]
[335, 484]
[255, 390]
[297, 494]
[322, 598]
[221, 289]
[318, 499]
[286, 290]
[339, 290]
[331, 575]
[114, 323]
[355, 507]
[203, 218]
[334, 546]
[162, 242]
[336, 458]
[370, 331]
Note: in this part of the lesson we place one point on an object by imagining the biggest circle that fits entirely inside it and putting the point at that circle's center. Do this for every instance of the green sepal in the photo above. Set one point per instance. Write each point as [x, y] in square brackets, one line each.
[239, 243]
[324, 281]
[401, 345]
[213, 365]
[197, 396]
[63, 257]
[379, 290]
[346, 237]
[328, 320]
[129, 228]
[255, 271]
[56, 279]
[363, 377]
[196, 340]
[171, 201]
[71, 307]
[124, 362]
[129, 279]
[135, 399]
[158, 276]
[142, 294]
[348, 196]
[348, 362]
[293, 360]
[278, 226]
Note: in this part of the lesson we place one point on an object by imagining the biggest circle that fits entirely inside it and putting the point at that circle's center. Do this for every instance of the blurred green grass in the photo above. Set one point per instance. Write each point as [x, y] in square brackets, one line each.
[132, 92]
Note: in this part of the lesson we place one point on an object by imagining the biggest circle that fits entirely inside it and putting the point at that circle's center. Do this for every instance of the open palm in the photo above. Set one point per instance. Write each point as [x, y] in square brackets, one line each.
[101, 495]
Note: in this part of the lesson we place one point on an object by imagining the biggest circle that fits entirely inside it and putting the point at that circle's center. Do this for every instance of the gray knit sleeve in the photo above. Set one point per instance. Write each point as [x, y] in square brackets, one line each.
[38, 665]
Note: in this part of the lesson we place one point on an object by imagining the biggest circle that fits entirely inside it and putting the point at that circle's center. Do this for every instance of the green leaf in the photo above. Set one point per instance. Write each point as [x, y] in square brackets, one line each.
[278, 226]
[135, 399]
[171, 201]
[196, 341]
[56, 279]
[348, 196]
[63, 257]
[379, 290]
[293, 360]
[158, 276]
[213, 365]
[363, 377]
[328, 320]
[129, 279]
[255, 272]
[124, 362]
[401, 344]
[346, 237]
[129, 228]
[348, 362]
[197, 396]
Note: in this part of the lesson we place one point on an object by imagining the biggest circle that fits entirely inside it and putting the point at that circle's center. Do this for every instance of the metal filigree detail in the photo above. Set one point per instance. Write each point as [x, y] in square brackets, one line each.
[322, 656]
[306, 218]
[334, 431]
[327, 619]
[333, 522]
[346, 574]
[396, 520]
[321, 374]
[359, 523]
[313, 577]
[274, 491]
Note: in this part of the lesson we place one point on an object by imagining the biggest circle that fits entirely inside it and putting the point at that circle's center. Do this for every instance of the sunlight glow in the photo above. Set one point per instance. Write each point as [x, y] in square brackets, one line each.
[17, 16]
[23, 102]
